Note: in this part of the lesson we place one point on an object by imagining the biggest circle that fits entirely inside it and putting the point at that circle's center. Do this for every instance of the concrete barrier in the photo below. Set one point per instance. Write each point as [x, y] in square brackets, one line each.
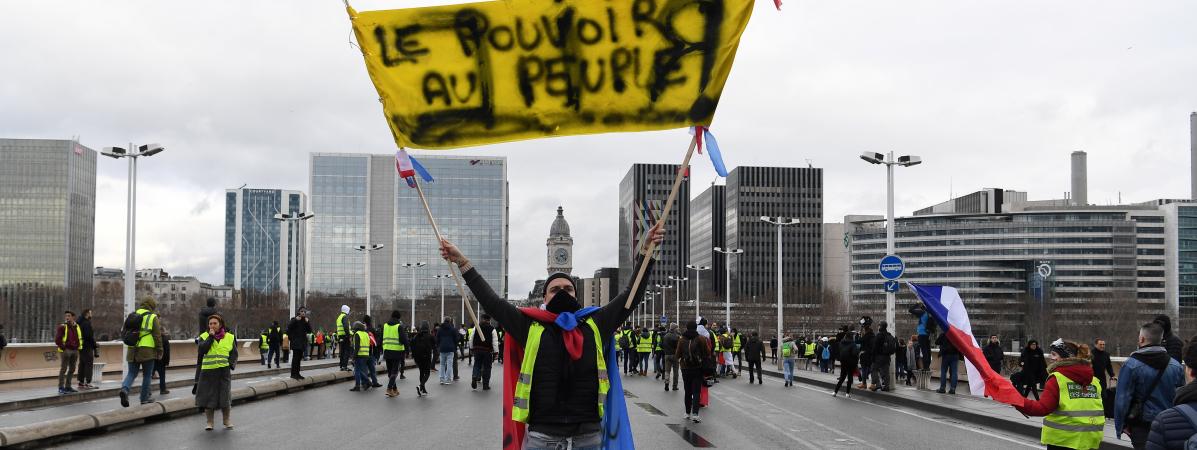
[41, 360]
[46, 430]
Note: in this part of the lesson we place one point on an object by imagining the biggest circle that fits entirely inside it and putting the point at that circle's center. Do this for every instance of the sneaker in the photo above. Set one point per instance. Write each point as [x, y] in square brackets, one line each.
[834, 393]
[163, 392]
[687, 416]
[486, 387]
[847, 395]
[124, 398]
[940, 390]
[667, 388]
[474, 384]
[694, 418]
[61, 391]
[356, 389]
[952, 392]
[375, 385]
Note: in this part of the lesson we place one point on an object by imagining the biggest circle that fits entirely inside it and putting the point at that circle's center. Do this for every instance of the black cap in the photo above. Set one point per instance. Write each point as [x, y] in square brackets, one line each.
[555, 276]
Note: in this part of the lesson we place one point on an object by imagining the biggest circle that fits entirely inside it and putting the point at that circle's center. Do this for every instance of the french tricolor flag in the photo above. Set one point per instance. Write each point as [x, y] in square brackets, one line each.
[944, 304]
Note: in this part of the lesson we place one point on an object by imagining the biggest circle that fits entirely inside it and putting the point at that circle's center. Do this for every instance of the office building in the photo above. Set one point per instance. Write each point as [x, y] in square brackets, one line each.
[47, 234]
[985, 201]
[599, 289]
[358, 199]
[835, 261]
[263, 255]
[642, 196]
[788, 192]
[706, 233]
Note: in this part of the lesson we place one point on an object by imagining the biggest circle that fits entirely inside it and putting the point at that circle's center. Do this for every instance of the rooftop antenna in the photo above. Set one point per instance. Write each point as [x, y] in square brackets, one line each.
[809, 164]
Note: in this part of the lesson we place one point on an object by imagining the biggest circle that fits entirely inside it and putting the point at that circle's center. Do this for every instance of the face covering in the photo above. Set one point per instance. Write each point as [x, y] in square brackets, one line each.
[562, 302]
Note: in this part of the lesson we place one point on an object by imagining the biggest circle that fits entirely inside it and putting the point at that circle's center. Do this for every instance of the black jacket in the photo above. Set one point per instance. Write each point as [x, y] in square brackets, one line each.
[1170, 428]
[1034, 367]
[994, 355]
[297, 333]
[204, 313]
[946, 348]
[89, 336]
[422, 347]
[754, 350]
[564, 398]
[866, 347]
[164, 361]
[1102, 368]
[669, 342]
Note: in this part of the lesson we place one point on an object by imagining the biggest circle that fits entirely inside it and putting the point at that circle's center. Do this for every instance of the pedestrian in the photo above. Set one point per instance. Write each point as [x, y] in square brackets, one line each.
[693, 354]
[320, 343]
[68, 337]
[884, 347]
[1171, 343]
[484, 342]
[204, 314]
[394, 343]
[1173, 428]
[274, 344]
[754, 351]
[727, 345]
[446, 343]
[824, 355]
[1103, 369]
[375, 351]
[361, 358]
[89, 352]
[949, 359]
[297, 331]
[624, 344]
[994, 354]
[809, 352]
[286, 347]
[847, 354]
[658, 355]
[912, 359]
[263, 347]
[423, 345]
[789, 349]
[773, 348]
[669, 344]
[866, 350]
[343, 336]
[162, 363]
[901, 370]
[923, 330]
[1034, 369]
[737, 347]
[1071, 403]
[1147, 384]
[644, 346]
[214, 380]
[558, 391]
[143, 326]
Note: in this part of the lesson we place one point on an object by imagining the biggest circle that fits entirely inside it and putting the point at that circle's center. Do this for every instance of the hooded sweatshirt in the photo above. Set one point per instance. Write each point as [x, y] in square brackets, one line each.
[1171, 428]
[1076, 369]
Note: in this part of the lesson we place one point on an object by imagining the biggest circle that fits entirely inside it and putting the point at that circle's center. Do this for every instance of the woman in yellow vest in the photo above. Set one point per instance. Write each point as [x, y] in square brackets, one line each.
[1071, 400]
[214, 381]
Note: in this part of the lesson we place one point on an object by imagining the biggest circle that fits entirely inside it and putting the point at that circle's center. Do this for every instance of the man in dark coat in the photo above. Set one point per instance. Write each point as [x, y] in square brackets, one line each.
[297, 333]
[91, 349]
[1172, 343]
[1171, 427]
[994, 355]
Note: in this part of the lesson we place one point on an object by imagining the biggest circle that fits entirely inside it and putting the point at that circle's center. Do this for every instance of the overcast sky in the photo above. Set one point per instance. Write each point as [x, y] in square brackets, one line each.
[989, 93]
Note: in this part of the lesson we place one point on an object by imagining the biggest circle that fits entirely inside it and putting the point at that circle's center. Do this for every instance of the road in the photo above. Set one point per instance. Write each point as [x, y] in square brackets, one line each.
[766, 416]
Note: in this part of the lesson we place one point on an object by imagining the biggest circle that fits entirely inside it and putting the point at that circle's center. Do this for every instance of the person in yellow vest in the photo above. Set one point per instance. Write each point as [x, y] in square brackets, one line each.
[394, 345]
[809, 353]
[264, 346]
[644, 346]
[1070, 402]
[561, 388]
[214, 382]
[141, 356]
[658, 355]
[737, 346]
[362, 359]
[623, 341]
[343, 341]
[69, 339]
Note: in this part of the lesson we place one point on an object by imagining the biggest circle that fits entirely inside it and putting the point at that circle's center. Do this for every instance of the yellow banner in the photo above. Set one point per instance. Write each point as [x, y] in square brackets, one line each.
[497, 71]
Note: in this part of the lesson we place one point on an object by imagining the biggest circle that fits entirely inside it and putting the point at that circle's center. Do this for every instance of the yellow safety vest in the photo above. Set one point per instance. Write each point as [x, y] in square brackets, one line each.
[390, 338]
[1079, 420]
[810, 349]
[521, 404]
[218, 353]
[78, 333]
[147, 328]
[644, 345]
[340, 327]
[264, 344]
[656, 342]
[363, 343]
[736, 344]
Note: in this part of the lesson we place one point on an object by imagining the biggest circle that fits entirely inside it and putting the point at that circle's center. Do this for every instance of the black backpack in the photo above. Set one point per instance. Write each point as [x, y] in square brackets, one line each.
[695, 355]
[889, 345]
[131, 331]
[847, 349]
[624, 343]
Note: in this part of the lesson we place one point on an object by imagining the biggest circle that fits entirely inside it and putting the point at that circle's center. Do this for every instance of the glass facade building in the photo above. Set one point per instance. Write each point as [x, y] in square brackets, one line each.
[263, 255]
[706, 233]
[359, 199]
[47, 234]
[642, 196]
[790, 192]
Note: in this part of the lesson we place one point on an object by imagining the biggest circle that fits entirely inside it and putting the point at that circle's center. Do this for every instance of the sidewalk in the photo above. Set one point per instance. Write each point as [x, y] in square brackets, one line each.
[961, 406]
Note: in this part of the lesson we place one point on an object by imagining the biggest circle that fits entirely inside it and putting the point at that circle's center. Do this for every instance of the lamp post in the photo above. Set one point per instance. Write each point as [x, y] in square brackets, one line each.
[663, 288]
[727, 281]
[292, 221]
[442, 278]
[413, 267]
[677, 297]
[889, 161]
[697, 284]
[366, 249]
[780, 222]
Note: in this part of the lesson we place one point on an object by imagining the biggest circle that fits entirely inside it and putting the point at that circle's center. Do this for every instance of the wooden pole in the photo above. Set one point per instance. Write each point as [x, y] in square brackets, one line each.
[652, 246]
[453, 270]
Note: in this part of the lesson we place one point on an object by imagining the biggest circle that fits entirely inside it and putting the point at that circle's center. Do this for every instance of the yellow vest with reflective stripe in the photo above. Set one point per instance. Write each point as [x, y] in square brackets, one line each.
[390, 337]
[521, 403]
[218, 353]
[147, 328]
[656, 342]
[66, 333]
[736, 344]
[810, 349]
[363, 343]
[645, 344]
[264, 344]
[340, 325]
[1079, 420]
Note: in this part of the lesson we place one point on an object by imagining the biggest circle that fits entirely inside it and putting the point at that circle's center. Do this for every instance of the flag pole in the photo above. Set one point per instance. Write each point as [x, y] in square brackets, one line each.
[452, 269]
[652, 246]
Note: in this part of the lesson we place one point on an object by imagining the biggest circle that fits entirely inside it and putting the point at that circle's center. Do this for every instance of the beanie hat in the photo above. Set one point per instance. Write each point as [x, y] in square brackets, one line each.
[557, 275]
[1060, 348]
[345, 309]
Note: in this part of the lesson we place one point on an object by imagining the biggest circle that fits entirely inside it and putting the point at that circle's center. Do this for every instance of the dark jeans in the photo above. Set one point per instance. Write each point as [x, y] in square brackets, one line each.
[160, 369]
[692, 385]
[845, 374]
[296, 360]
[482, 367]
[361, 371]
[425, 366]
[1138, 434]
[344, 344]
[273, 353]
[145, 368]
[924, 352]
[948, 364]
[642, 361]
[759, 373]
[87, 365]
[393, 365]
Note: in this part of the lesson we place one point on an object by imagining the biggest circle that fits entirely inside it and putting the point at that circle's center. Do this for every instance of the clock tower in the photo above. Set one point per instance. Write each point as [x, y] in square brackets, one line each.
[560, 255]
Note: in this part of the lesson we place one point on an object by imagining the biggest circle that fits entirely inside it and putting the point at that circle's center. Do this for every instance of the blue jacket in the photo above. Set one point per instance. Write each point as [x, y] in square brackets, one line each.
[1136, 376]
[1171, 428]
[446, 338]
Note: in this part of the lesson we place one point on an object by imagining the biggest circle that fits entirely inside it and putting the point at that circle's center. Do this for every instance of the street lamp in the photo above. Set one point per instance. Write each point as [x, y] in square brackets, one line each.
[677, 297]
[132, 153]
[727, 281]
[890, 162]
[442, 278]
[413, 267]
[663, 288]
[366, 249]
[780, 222]
[292, 220]
[697, 284]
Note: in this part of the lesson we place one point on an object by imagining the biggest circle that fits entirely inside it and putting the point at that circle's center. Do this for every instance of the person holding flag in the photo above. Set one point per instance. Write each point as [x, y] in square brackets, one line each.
[1073, 417]
[561, 380]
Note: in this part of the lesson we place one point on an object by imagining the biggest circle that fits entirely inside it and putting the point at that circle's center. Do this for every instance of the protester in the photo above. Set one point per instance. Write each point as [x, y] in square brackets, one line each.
[866, 338]
[343, 336]
[644, 346]
[375, 351]
[884, 347]
[824, 355]
[205, 313]
[737, 347]
[912, 360]
[922, 349]
[320, 343]
[901, 370]
[949, 358]
[669, 347]
[361, 358]
[89, 352]
[394, 343]
[658, 355]
[1034, 369]
[274, 344]
[446, 343]
[773, 348]
[1071, 403]
[994, 354]
[162, 363]
[297, 331]
[286, 347]
[560, 402]
[693, 354]
[789, 349]
[141, 357]
[68, 336]
[1171, 342]
[1147, 384]
[214, 380]
[1174, 426]
[754, 351]
[728, 368]
[847, 355]
[423, 346]
[484, 342]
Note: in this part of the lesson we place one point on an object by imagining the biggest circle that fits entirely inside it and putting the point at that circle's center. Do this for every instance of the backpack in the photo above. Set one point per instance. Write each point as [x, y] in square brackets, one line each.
[826, 352]
[889, 345]
[847, 350]
[131, 331]
[624, 342]
[694, 356]
[726, 341]
[1191, 414]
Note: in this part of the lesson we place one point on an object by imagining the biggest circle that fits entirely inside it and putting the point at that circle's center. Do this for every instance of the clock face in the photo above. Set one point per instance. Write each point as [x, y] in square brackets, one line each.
[560, 256]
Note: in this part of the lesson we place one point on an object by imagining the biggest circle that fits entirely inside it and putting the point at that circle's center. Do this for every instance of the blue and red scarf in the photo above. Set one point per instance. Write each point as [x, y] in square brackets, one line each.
[617, 429]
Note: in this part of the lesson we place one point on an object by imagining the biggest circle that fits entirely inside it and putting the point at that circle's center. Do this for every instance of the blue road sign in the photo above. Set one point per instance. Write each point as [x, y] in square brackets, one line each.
[891, 267]
[891, 286]
[664, 319]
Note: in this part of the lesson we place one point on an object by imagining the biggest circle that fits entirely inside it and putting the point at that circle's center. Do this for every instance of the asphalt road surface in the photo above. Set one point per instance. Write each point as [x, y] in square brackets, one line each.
[740, 416]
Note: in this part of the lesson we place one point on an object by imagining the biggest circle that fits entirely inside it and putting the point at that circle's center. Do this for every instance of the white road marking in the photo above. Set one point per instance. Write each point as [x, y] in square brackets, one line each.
[745, 413]
[862, 441]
